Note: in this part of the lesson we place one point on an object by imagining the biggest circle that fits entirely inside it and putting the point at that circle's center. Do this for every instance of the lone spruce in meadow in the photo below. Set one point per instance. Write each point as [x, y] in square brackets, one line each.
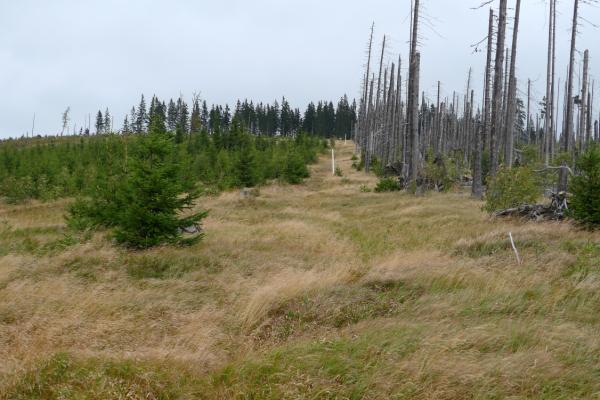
[146, 204]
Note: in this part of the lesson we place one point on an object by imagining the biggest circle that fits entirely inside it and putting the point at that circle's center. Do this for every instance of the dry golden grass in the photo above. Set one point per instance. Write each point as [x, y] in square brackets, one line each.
[311, 291]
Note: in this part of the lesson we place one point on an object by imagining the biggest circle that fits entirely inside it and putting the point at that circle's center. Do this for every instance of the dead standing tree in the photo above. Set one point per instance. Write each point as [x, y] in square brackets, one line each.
[458, 129]
[567, 144]
[509, 127]
[583, 104]
[361, 137]
[496, 122]
[548, 131]
[413, 96]
[568, 136]
[484, 132]
[65, 121]
[377, 122]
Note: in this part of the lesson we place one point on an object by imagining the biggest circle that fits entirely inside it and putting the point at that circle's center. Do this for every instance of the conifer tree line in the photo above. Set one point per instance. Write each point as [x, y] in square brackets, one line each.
[213, 149]
[223, 148]
[401, 127]
[277, 119]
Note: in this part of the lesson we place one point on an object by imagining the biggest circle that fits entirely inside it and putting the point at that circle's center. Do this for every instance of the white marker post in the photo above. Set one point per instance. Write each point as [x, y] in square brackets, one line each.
[512, 242]
[332, 162]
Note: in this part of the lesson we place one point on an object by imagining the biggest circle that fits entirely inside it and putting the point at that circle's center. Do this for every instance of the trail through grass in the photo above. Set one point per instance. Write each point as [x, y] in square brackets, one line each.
[317, 291]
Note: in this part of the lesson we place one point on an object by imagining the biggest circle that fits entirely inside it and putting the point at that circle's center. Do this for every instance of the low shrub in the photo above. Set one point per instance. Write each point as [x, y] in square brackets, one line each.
[358, 164]
[440, 173]
[295, 169]
[511, 188]
[377, 167]
[387, 185]
[585, 187]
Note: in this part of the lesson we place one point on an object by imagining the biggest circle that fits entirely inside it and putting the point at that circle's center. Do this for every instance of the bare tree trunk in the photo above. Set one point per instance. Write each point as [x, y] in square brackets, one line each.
[584, 102]
[527, 125]
[413, 97]
[554, 99]
[369, 129]
[477, 188]
[555, 115]
[482, 133]
[389, 145]
[488, 83]
[467, 121]
[497, 93]
[564, 112]
[588, 134]
[437, 120]
[472, 127]
[549, 104]
[381, 133]
[378, 108]
[415, 151]
[569, 117]
[577, 131]
[33, 126]
[501, 135]
[398, 123]
[509, 129]
[363, 126]
[375, 119]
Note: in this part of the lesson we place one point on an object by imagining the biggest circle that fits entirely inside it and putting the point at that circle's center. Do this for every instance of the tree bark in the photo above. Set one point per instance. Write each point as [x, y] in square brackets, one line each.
[509, 129]
[527, 125]
[415, 148]
[497, 93]
[549, 102]
[568, 137]
[553, 101]
[413, 97]
[363, 126]
[477, 188]
[488, 83]
[369, 129]
[584, 102]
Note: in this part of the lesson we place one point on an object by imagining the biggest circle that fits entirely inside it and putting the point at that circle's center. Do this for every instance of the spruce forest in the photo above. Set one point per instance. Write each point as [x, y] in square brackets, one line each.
[409, 239]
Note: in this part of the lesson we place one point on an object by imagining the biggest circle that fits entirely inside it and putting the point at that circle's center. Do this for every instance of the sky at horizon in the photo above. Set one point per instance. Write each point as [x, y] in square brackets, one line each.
[90, 55]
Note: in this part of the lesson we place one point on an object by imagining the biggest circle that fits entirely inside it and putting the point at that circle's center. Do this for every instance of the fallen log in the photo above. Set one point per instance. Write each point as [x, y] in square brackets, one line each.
[555, 211]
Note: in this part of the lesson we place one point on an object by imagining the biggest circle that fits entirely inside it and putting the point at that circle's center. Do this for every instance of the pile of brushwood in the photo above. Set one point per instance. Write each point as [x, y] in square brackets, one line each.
[555, 211]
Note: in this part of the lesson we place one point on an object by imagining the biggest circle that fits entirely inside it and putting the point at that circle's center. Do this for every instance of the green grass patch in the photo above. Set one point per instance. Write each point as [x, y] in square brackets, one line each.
[38, 241]
[345, 368]
[171, 266]
[64, 377]
[340, 307]
[588, 261]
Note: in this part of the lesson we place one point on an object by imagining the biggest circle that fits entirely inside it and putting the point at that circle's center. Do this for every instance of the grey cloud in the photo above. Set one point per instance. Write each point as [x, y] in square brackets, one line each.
[92, 54]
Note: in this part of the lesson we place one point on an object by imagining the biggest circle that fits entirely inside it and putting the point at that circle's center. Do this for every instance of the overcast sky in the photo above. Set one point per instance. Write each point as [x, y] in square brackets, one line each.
[93, 54]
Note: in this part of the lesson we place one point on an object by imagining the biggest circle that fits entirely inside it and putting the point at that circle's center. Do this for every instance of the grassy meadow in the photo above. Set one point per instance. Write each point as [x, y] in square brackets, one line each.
[317, 291]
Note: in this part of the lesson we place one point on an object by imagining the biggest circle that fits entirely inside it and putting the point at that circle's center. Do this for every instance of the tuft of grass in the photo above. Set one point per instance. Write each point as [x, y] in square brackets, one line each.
[587, 263]
[338, 307]
[64, 377]
[173, 266]
[41, 241]
[340, 368]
